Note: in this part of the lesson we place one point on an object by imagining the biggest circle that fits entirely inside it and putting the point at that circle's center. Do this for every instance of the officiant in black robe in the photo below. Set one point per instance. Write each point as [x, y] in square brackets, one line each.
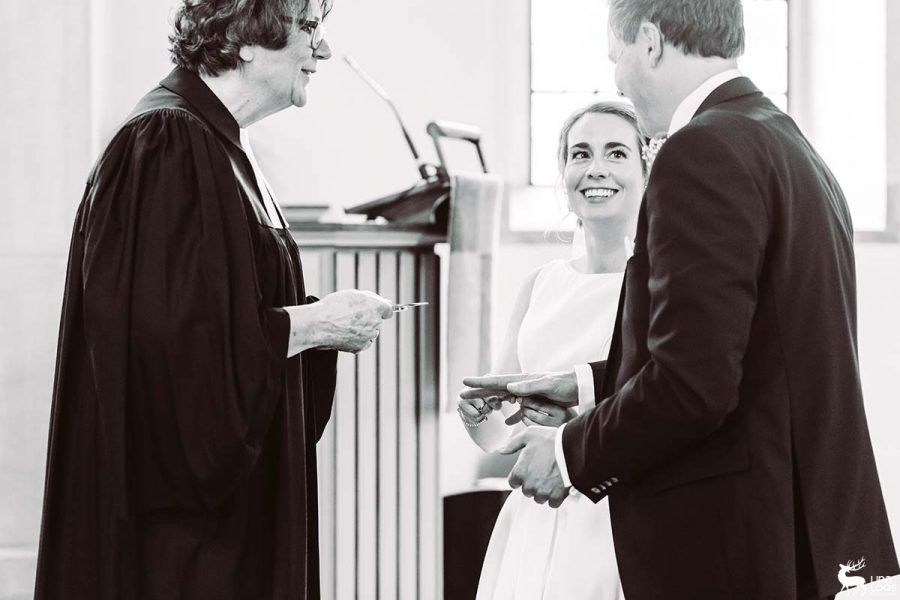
[194, 374]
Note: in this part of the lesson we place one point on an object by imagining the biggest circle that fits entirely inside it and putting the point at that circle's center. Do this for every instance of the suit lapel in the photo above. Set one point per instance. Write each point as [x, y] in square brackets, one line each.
[614, 359]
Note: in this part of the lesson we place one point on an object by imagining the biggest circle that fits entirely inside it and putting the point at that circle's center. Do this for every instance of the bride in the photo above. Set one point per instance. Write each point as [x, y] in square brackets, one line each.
[564, 315]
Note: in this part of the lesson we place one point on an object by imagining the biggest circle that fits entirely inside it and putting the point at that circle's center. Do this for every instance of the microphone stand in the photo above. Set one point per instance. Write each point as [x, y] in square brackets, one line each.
[426, 170]
[426, 200]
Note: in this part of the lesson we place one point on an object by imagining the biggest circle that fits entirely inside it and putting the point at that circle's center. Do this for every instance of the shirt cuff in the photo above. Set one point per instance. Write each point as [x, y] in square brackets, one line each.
[561, 457]
[584, 375]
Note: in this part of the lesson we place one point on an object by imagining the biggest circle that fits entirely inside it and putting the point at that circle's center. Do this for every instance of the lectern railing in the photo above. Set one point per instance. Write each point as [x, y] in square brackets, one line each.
[379, 498]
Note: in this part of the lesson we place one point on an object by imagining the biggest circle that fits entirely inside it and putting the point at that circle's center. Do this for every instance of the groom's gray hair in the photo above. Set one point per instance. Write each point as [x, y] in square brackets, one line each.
[699, 27]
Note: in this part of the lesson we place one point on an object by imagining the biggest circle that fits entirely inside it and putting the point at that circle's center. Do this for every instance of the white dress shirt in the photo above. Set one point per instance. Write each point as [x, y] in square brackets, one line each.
[688, 107]
[272, 210]
[583, 373]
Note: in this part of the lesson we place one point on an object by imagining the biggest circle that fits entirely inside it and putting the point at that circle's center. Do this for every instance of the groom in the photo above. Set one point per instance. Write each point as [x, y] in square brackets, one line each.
[729, 429]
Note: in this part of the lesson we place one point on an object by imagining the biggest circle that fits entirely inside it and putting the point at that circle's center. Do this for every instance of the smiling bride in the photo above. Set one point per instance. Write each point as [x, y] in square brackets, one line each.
[564, 315]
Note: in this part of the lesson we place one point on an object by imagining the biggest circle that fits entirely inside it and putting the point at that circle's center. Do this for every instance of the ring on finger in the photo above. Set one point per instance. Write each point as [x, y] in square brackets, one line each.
[466, 417]
[537, 415]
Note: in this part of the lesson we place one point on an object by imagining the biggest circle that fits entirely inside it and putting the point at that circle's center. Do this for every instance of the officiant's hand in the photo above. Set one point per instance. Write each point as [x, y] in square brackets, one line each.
[348, 320]
[536, 471]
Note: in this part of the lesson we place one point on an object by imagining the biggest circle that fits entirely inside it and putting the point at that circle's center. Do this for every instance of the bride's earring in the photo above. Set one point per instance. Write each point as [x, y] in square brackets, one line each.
[572, 212]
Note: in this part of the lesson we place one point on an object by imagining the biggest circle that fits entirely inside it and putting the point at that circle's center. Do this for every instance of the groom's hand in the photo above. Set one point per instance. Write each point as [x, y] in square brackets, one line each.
[491, 385]
[561, 387]
[490, 389]
[536, 471]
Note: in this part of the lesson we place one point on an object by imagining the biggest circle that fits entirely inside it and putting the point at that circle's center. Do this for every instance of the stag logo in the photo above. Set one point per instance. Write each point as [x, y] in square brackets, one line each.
[851, 581]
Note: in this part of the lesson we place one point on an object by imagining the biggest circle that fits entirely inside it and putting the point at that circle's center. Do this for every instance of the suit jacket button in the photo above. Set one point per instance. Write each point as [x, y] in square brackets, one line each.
[595, 490]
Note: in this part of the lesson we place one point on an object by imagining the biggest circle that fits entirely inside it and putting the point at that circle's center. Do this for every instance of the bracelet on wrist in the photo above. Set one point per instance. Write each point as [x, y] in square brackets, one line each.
[466, 422]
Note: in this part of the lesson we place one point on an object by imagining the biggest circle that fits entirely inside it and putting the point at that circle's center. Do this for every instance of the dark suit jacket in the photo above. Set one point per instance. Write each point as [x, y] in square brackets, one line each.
[731, 430]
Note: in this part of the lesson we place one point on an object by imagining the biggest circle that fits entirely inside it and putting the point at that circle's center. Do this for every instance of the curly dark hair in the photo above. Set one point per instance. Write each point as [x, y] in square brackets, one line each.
[208, 34]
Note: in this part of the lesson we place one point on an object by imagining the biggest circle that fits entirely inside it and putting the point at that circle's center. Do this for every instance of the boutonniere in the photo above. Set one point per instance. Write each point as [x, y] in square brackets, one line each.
[651, 149]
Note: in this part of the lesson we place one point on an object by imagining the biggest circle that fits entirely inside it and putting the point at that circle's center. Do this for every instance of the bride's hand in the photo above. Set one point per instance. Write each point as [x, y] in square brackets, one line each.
[475, 409]
[540, 411]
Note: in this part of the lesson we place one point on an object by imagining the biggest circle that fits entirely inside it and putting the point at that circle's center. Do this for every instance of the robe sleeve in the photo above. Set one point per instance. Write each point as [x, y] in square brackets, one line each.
[170, 282]
[320, 381]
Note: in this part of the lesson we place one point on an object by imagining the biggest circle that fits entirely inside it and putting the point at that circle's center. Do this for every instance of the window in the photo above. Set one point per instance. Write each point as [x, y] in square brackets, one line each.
[570, 68]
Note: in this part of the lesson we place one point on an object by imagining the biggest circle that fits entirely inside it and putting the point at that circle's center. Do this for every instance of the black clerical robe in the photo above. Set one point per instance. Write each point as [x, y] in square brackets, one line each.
[181, 458]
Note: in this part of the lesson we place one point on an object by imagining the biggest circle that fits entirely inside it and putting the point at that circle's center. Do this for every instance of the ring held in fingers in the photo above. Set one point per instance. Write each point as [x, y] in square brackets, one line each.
[466, 420]
[485, 408]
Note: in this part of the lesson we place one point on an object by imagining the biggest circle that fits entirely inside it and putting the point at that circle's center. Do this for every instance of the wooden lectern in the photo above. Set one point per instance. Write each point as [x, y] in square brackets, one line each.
[380, 498]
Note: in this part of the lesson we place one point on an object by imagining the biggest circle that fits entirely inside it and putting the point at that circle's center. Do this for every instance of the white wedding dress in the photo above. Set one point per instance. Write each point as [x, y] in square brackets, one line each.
[537, 552]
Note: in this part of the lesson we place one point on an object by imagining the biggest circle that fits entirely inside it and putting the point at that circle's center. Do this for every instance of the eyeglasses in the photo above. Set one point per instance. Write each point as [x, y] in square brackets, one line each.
[315, 29]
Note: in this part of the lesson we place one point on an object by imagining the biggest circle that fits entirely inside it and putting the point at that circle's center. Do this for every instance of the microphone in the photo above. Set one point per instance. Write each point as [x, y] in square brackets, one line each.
[426, 200]
[446, 129]
[426, 170]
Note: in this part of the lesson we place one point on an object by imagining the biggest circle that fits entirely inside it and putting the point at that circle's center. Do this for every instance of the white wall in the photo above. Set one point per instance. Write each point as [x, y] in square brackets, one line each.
[438, 60]
[878, 289]
[458, 61]
[128, 57]
[837, 90]
[44, 156]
